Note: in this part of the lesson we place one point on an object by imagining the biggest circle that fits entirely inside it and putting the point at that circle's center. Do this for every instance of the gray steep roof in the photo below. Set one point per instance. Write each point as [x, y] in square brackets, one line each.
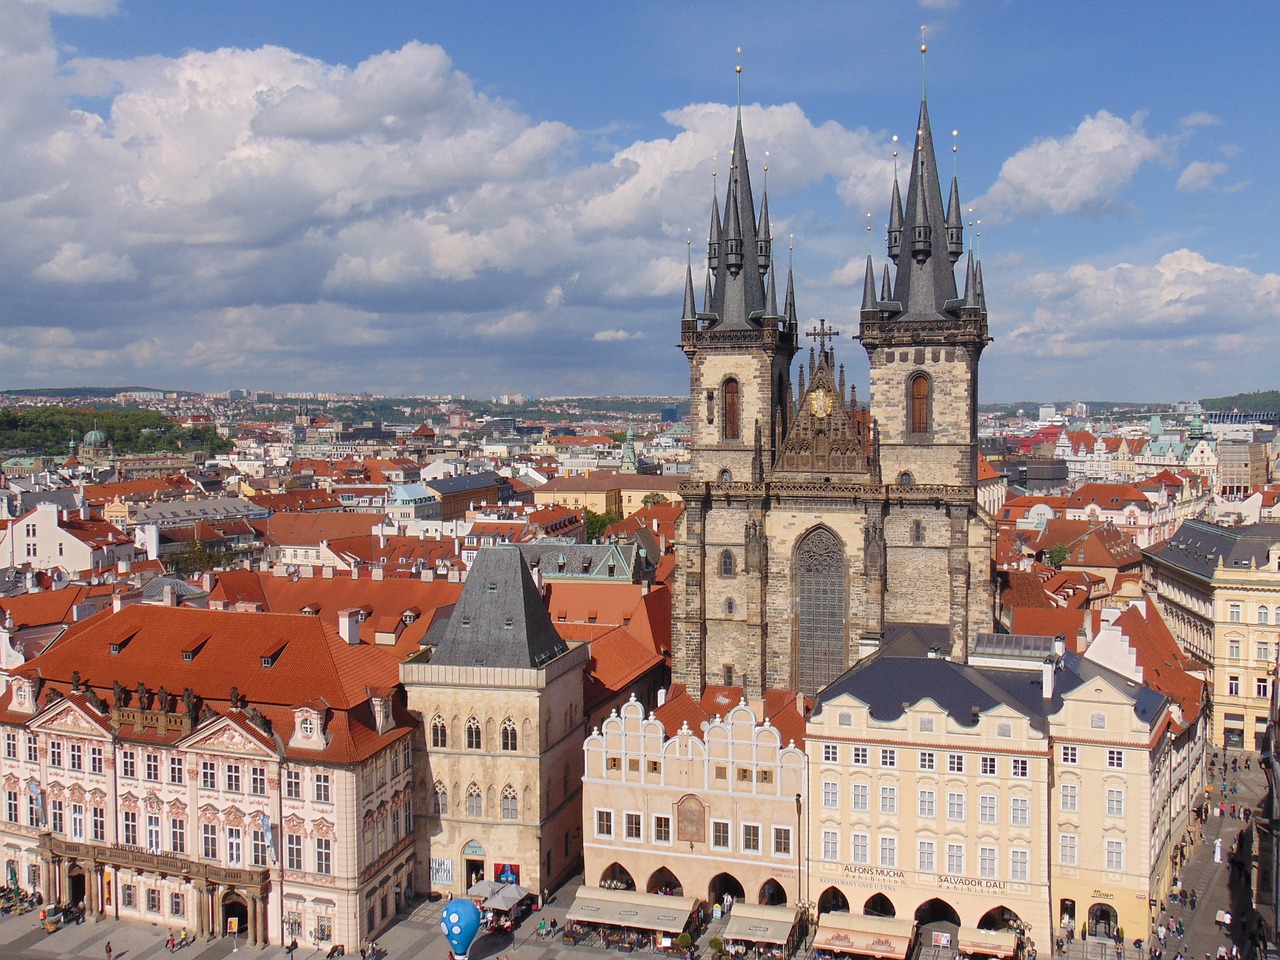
[1197, 547]
[499, 620]
[558, 557]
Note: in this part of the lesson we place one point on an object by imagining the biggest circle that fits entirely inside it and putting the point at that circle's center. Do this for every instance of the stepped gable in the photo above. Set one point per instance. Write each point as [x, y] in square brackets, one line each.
[500, 620]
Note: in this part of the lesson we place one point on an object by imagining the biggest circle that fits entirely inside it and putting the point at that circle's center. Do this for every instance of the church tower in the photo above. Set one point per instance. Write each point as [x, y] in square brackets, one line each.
[740, 348]
[923, 339]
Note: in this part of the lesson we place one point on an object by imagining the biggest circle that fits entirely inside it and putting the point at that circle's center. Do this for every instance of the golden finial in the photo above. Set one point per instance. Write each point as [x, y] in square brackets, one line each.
[924, 49]
[868, 234]
[955, 148]
[738, 71]
[895, 157]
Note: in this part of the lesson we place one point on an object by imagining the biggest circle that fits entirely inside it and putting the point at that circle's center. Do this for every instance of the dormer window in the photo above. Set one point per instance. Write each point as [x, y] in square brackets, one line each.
[307, 726]
[187, 656]
[267, 662]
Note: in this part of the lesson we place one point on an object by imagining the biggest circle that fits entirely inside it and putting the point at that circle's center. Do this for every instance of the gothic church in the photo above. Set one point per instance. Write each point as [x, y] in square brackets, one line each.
[815, 531]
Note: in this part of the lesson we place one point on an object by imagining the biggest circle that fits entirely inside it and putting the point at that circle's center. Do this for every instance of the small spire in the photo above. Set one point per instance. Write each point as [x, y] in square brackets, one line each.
[789, 302]
[690, 307]
[869, 288]
[895, 219]
[886, 289]
[764, 241]
[706, 294]
[982, 292]
[841, 387]
[955, 223]
[970, 283]
[733, 258]
[771, 298]
[714, 234]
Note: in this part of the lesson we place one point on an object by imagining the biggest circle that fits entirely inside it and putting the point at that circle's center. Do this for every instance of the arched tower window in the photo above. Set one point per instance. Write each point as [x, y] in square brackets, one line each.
[475, 802]
[439, 732]
[821, 604]
[440, 799]
[510, 803]
[510, 739]
[918, 402]
[917, 531]
[726, 564]
[473, 734]
[728, 607]
[731, 416]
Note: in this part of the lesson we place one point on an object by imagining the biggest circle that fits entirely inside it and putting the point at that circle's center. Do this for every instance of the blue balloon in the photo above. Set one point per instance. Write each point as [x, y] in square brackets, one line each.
[460, 923]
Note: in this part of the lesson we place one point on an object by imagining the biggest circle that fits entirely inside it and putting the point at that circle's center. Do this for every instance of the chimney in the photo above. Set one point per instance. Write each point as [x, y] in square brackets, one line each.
[326, 572]
[662, 696]
[207, 581]
[355, 569]
[123, 567]
[349, 626]
[1059, 646]
[377, 573]
[1046, 677]
[170, 595]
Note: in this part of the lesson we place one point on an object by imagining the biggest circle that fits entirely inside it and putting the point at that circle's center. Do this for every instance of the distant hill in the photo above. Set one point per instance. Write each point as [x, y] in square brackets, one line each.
[77, 391]
[1260, 401]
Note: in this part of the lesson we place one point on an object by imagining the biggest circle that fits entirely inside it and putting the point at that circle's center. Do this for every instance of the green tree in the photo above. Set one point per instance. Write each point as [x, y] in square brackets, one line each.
[597, 522]
[1057, 555]
[653, 499]
[191, 559]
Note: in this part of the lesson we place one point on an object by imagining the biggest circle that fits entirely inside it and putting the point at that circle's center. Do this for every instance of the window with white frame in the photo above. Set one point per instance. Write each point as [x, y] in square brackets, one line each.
[510, 803]
[1020, 768]
[1233, 648]
[175, 770]
[888, 757]
[475, 802]
[860, 796]
[55, 753]
[258, 850]
[955, 859]
[1264, 617]
[99, 824]
[130, 832]
[233, 777]
[751, 837]
[322, 793]
[830, 845]
[987, 862]
[293, 851]
[177, 835]
[1264, 651]
[926, 858]
[888, 799]
[77, 823]
[33, 748]
[987, 766]
[1115, 759]
[955, 763]
[293, 785]
[1020, 811]
[1233, 686]
[10, 745]
[860, 848]
[720, 834]
[208, 775]
[1069, 794]
[258, 781]
[1019, 866]
[324, 856]
[955, 805]
[56, 821]
[830, 794]
[153, 833]
[235, 847]
[782, 841]
[1262, 687]
[1234, 614]
[151, 767]
[927, 760]
[209, 841]
[661, 829]
[75, 756]
[1070, 754]
[1068, 849]
[830, 753]
[927, 804]
[1115, 802]
[1115, 856]
[888, 851]
[987, 806]
[861, 756]
[631, 829]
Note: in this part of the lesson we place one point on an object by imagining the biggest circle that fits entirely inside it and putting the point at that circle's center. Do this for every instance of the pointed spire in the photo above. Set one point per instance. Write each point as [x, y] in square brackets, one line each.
[764, 242]
[869, 288]
[771, 299]
[714, 234]
[707, 296]
[970, 282]
[955, 223]
[789, 304]
[690, 307]
[886, 290]
[895, 220]
[982, 293]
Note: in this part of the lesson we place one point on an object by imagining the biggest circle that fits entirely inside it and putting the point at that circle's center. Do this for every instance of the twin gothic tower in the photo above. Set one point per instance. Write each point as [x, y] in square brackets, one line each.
[815, 531]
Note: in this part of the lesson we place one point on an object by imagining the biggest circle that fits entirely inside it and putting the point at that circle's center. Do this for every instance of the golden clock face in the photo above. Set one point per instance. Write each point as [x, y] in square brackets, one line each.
[820, 403]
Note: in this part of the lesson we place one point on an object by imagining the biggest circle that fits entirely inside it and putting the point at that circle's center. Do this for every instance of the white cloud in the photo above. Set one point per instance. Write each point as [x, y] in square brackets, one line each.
[612, 336]
[1200, 174]
[71, 264]
[1083, 172]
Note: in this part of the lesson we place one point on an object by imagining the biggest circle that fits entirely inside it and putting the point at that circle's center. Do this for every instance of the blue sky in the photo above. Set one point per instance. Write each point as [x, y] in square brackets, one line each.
[495, 197]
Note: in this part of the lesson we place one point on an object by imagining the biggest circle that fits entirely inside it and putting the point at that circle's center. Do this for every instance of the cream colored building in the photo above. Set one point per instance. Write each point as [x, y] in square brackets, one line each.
[1219, 589]
[501, 705]
[699, 799]
[1028, 786]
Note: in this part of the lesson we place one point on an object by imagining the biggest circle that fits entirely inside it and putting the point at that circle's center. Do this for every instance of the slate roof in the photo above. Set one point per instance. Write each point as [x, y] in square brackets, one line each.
[1197, 546]
[499, 620]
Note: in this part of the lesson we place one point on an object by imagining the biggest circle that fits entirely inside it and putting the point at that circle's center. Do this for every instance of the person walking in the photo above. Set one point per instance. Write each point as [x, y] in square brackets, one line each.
[109, 951]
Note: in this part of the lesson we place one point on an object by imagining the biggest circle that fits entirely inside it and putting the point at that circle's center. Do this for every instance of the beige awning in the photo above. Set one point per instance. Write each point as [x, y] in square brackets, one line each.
[760, 923]
[628, 908]
[990, 943]
[864, 936]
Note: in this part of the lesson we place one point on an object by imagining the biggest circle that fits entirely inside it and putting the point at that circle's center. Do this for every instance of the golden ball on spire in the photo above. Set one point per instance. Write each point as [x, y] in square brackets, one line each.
[738, 68]
[924, 48]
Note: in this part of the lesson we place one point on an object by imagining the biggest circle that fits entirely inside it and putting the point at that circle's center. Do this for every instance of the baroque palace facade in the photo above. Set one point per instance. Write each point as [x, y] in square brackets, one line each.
[950, 773]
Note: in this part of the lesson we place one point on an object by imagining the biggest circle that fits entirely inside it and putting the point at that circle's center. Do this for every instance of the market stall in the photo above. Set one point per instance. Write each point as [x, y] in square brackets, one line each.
[858, 935]
[626, 918]
[764, 930]
[987, 943]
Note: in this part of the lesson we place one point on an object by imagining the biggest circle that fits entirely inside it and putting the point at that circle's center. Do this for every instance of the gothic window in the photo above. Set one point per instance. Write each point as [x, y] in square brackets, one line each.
[439, 732]
[726, 564]
[510, 803]
[731, 420]
[918, 403]
[905, 479]
[475, 803]
[440, 799]
[473, 734]
[725, 476]
[917, 532]
[510, 739]
[728, 607]
[820, 592]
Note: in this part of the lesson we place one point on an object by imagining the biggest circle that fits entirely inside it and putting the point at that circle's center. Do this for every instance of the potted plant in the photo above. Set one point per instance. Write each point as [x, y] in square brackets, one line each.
[717, 946]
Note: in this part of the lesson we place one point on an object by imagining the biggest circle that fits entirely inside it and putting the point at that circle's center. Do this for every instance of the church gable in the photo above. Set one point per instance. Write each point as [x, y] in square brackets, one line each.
[826, 434]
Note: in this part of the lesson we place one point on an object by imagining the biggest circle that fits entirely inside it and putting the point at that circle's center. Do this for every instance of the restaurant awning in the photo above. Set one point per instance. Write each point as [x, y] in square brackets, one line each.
[864, 936]
[990, 943]
[629, 908]
[760, 923]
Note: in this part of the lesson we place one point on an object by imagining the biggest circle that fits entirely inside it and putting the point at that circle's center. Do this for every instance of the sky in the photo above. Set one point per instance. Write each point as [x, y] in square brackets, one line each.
[484, 198]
